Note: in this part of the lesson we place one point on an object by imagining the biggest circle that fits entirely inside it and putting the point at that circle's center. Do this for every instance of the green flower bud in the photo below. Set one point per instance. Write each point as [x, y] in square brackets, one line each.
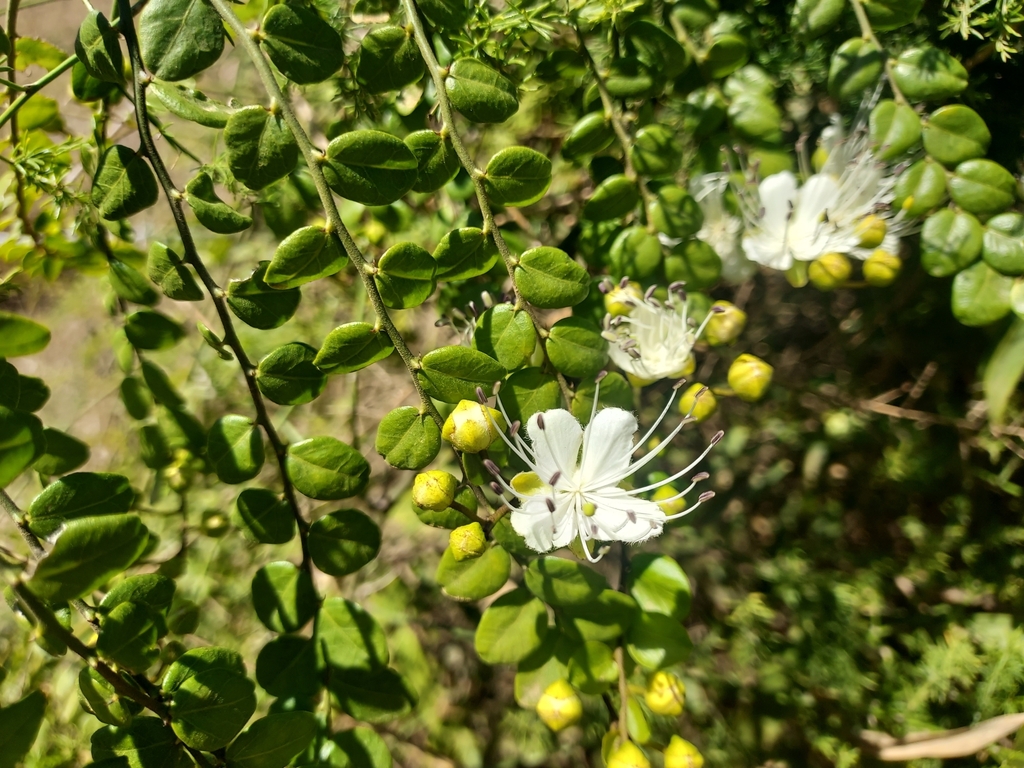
[749, 377]
[665, 694]
[467, 542]
[725, 325]
[469, 428]
[830, 271]
[682, 754]
[434, 490]
[629, 755]
[559, 706]
[215, 523]
[702, 407]
[871, 231]
[796, 275]
[881, 268]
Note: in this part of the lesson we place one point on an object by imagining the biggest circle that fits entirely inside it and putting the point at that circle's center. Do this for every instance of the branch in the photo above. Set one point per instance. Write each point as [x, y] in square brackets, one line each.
[869, 34]
[958, 742]
[448, 129]
[141, 80]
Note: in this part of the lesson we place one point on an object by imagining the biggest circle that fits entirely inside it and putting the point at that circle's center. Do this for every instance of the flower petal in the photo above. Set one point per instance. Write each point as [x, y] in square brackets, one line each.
[620, 517]
[607, 448]
[778, 197]
[556, 447]
[543, 529]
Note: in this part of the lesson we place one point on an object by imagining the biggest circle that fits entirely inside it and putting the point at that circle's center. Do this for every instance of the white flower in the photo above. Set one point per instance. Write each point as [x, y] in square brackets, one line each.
[721, 229]
[572, 489]
[787, 222]
[655, 340]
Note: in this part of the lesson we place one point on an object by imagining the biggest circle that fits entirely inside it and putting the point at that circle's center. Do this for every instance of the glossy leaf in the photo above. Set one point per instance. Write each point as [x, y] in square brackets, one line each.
[284, 597]
[349, 638]
[981, 295]
[507, 334]
[98, 47]
[517, 176]
[212, 212]
[370, 167]
[475, 578]
[1003, 243]
[235, 449]
[123, 184]
[405, 276]
[151, 330]
[512, 628]
[408, 439]
[549, 279]
[304, 47]
[464, 253]
[272, 741]
[21, 442]
[982, 187]
[63, 453]
[19, 724]
[169, 272]
[437, 161]
[955, 133]
[659, 585]
[190, 104]
[179, 38]
[264, 517]
[452, 374]
[950, 241]
[529, 391]
[325, 468]
[576, 348]
[260, 147]
[210, 708]
[287, 375]
[388, 60]
[480, 92]
[83, 494]
[372, 697]
[21, 336]
[258, 305]
[342, 542]
[562, 582]
[286, 667]
[145, 743]
[929, 74]
[351, 347]
[656, 641]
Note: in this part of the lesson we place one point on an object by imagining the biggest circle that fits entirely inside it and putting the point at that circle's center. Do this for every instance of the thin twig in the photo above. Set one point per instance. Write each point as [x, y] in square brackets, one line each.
[869, 34]
[141, 80]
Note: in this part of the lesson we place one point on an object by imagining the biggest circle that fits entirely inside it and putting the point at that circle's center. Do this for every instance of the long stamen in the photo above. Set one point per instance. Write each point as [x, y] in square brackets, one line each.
[643, 440]
[597, 393]
[706, 496]
[515, 434]
[515, 449]
[686, 470]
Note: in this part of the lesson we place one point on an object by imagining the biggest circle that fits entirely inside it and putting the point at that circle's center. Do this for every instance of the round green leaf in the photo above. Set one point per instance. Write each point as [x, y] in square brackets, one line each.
[562, 582]
[437, 161]
[86, 88]
[981, 295]
[147, 329]
[20, 336]
[264, 517]
[359, 747]
[82, 494]
[258, 305]
[813, 17]
[272, 741]
[603, 619]
[592, 668]
[169, 272]
[124, 183]
[98, 48]
[260, 147]
[541, 668]
[576, 348]
[1003, 243]
[549, 279]
[405, 276]
[21, 442]
[307, 254]
[955, 133]
[512, 628]
[656, 48]
[982, 187]
[88, 552]
[590, 135]
[656, 641]
[286, 667]
[388, 60]
[676, 213]
[892, 14]
[920, 188]
[447, 14]
[628, 78]
[613, 198]
[895, 129]
[517, 176]
[452, 374]
[476, 578]
[529, 391]
[755, 117]
[856, 67]
[210, 708]
[481, 93]
[349, 638]
[160, 386]
[375, 697]
[197, 660]
[235, 449]
[179, 38]
[64, 453]
[694, 262]
[128, 636]
[144, 743]
[408, 439]
[464, 253]
[950, 241]
[727, 54]
[655, 151]
[304, 47]
[33, 393]
[635, 253]
[658, 585]
[929, 74]
[149, 589]
[507, 334]
[325, 468]
[351, 347]
[370, 167]
[100, 698]
[343, 542]
[190, 104]
[703, 112]
[284, 597]
[212, 212]
[129, 284]
[287, 375]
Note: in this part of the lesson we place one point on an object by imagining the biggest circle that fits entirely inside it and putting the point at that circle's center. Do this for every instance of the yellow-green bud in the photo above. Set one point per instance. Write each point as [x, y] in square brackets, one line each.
[469, 428]
[749, 377]
[467, 542]
[668, 507]
[629, 755]
[871, 231]
[881, 268]
[665, 694]
[830, 271]
[819, 158]
[434, 489]
[621, 300]
[682, 754]
[796, 275]
[725, 324]
[559, 706]
[702, 407]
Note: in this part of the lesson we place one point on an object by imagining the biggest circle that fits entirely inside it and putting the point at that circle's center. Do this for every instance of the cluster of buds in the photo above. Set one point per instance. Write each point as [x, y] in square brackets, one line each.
[472, 427]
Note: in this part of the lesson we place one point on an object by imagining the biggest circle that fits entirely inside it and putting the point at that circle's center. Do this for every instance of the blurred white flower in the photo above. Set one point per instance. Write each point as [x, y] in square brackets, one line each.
[572, 487]
[721, 229]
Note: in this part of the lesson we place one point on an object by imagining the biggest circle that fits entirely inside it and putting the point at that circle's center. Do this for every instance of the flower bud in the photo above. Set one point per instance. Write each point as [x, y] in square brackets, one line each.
[682, 754]
[725, 325]
[559, 706]
[819, 158]
[668, 507]
[830, 271]
[629, 755]
[665, 694]
[434, 489]
[469, 428]
[881, 268]
[702, 407]
[636, 381]
[871, 231]
[749, 377]
[796, 275]
[620, 300]
[467, 542]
